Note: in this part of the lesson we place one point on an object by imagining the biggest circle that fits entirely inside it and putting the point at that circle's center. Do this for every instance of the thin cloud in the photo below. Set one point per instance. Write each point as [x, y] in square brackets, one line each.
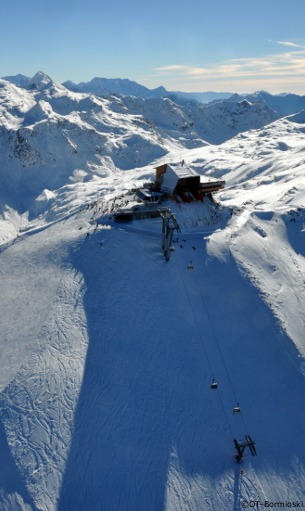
[171, 68]
[288, 64]
[288, 43]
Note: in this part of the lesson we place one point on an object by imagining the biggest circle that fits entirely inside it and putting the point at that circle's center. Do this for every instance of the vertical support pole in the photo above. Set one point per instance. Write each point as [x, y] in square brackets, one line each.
[163, 234]
[171, 237]
[166, 249]
[169, 224]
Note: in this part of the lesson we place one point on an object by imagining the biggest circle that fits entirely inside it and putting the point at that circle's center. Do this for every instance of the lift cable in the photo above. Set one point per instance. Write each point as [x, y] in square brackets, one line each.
[221, 354]
[207, 356]
[237, 408]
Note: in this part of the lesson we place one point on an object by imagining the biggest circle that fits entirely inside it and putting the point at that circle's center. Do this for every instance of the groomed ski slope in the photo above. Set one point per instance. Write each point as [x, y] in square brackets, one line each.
[108, 353]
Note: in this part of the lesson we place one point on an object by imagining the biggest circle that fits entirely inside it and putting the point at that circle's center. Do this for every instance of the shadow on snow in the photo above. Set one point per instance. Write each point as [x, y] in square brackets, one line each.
[145, 390]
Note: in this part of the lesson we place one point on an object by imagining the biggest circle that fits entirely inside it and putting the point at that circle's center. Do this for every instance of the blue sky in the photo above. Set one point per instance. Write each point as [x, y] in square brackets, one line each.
[195, 45]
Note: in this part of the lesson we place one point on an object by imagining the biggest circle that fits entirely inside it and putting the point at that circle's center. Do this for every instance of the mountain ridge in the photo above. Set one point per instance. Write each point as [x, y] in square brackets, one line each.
[62, 137]
[126, 87]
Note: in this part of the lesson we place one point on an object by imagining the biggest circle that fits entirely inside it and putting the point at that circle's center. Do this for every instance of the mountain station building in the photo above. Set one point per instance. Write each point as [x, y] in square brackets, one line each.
[181, 180]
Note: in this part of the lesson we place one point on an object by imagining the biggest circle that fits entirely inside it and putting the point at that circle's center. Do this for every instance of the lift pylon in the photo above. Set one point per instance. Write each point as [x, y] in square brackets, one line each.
[169, 225]
[241, 446]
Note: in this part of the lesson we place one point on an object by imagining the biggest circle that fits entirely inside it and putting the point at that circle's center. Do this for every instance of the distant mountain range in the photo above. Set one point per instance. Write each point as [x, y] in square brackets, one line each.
[104, 86]
[283, 104]
[51, 135]
[123, 87]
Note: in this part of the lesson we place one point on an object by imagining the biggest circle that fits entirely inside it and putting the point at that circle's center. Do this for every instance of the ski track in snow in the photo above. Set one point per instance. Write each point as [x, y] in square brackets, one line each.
[37, 406]
[40, 427]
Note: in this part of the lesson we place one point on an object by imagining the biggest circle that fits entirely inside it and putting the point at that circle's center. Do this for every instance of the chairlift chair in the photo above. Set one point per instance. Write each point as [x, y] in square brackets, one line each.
[190, 266]
[236, 409]
[214, 384]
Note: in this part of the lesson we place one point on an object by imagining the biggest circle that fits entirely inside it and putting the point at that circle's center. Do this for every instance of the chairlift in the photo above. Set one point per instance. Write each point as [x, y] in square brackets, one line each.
[172, 249]
[236, 409]
[214, 384]
[190, 266]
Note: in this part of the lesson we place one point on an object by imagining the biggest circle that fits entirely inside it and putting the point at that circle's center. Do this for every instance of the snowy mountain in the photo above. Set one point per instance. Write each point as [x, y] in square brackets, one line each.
[283, 104]
[204, 97]
[51, 137]
[107, 87]
[192, 123]
[38, 81]
[108, 351]
[122, 87]
[20, 80]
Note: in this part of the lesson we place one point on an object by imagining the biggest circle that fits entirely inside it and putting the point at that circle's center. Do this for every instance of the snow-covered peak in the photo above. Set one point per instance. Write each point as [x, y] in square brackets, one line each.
[19, 79]
[38, 83]
[40, 80]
